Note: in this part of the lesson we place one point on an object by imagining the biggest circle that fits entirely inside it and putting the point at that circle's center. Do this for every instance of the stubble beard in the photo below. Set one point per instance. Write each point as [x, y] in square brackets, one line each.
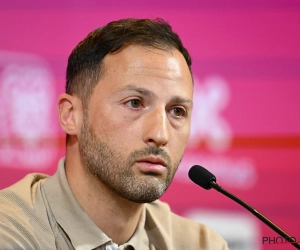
[116, 171]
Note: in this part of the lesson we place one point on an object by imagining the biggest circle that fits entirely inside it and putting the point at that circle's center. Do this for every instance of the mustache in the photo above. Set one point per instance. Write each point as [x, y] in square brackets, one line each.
[152, 150]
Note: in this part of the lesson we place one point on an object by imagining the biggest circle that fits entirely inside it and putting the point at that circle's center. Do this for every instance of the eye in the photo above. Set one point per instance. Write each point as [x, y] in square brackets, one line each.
[135, 103]
[177, 111]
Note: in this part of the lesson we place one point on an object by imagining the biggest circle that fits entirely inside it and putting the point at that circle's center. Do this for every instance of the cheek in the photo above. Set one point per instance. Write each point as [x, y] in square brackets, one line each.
[180, 139]
[118, 131]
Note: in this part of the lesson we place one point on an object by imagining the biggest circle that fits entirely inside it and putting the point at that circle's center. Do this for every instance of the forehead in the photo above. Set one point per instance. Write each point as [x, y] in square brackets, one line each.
[148, 67]
[138, 56]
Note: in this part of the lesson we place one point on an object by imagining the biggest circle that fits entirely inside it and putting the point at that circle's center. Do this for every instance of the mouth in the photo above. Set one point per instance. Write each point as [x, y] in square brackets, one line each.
[152, 164]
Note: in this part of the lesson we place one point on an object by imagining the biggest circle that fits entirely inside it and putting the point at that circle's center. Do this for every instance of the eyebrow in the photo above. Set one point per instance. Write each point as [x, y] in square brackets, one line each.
[178, 99]
[148, 93]
[140, 90]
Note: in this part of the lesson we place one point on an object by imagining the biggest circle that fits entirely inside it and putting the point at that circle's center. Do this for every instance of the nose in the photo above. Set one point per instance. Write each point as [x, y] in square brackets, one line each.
[156, 128]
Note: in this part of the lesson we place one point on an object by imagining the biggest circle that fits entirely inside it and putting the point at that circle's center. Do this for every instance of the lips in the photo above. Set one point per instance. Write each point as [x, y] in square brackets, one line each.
[153, 160]
[152, 164]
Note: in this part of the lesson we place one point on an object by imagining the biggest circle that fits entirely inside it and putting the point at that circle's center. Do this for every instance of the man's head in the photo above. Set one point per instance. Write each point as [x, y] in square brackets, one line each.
[85, 62]
[129, 106]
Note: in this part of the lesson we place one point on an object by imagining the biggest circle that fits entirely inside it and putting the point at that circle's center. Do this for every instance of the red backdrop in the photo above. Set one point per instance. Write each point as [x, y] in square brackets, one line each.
[246, 120]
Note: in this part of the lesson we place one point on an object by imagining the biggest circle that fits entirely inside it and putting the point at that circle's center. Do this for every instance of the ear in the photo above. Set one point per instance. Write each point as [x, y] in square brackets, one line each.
[69, 110]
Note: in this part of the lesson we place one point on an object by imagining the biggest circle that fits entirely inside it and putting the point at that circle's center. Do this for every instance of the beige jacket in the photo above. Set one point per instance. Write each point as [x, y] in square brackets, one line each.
[40, 212]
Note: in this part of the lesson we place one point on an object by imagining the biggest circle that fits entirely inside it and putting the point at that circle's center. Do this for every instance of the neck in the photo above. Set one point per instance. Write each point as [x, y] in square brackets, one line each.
[114, 215]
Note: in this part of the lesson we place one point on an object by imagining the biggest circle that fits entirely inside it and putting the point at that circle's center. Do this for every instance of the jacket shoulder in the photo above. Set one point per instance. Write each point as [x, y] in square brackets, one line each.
[183, 233]
[23, 217]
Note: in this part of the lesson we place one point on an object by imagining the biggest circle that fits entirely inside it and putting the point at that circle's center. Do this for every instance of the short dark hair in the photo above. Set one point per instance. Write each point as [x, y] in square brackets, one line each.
[84, 64]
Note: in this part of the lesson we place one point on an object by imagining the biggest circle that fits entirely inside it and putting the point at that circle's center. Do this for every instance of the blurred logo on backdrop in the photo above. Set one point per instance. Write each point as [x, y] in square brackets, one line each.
[27, 102]
[211, 131]
[209, 127]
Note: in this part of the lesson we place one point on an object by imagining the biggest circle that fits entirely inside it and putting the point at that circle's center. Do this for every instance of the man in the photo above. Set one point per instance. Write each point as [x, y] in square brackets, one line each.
[127, 114]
